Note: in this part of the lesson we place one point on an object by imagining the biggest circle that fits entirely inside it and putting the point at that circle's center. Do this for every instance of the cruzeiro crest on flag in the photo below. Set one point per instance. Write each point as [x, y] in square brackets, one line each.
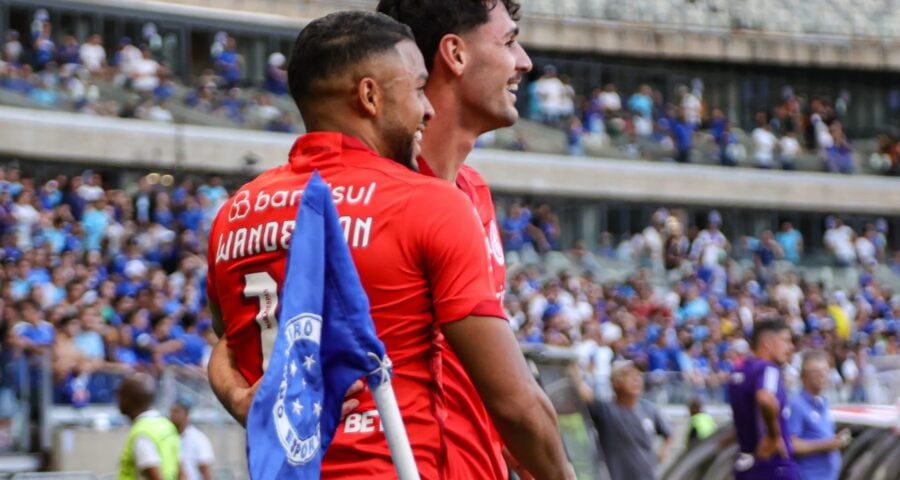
[297, 410]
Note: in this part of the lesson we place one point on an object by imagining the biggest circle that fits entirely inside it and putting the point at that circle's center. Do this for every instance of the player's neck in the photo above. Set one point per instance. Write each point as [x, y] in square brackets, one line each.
[813, 393]
[449, 137]
[445, 149]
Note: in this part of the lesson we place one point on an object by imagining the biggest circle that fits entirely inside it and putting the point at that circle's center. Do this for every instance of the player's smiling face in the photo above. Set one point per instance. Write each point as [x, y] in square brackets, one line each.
[494, 69]
[407, 109]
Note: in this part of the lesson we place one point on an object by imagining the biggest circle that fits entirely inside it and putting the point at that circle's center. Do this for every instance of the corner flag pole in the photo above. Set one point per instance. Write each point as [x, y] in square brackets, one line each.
[392, 422]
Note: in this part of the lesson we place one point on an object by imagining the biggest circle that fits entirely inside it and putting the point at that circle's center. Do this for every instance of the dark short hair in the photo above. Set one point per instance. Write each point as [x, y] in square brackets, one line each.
[431, 20]
[329, 45]
[765, 327]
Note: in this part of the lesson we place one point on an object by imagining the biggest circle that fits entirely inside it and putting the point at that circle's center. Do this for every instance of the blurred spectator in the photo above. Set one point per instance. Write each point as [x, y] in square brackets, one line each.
[764, 257]
[610, 101]
[69, 51]
[514, 228]
[791, 242]
[574, 134]
[550, 92]
[702, 425]
[93, 55]
[764, 143]
[840, 240]
[840, 153]
[709, 250]
[788, 151]
[32, 334]
[690, 103]
[143, 73]
[567, 106]
[627, 426]
[653, 240]
[43, 47]
[126, 56]
[197, 455]
[675, 249]
[229, 63]
[640, 103]
[276, 75]
[682, 136]
[866, 251]
[12, 48]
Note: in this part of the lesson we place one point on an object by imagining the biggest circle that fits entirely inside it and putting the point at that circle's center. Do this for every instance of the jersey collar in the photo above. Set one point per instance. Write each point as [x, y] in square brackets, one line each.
[324, 146]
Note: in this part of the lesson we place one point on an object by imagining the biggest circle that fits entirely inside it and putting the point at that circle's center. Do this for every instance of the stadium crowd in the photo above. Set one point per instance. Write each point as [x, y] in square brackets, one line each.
[108, 281]
[648, 123]
[56, 71]
[686, 301]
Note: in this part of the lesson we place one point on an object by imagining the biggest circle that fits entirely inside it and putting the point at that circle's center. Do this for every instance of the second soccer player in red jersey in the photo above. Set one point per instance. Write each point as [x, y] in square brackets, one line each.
[417, 243]
[475, 64]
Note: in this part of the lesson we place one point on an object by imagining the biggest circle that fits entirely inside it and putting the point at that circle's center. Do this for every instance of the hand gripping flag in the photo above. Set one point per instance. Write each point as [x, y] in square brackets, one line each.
[326, 341]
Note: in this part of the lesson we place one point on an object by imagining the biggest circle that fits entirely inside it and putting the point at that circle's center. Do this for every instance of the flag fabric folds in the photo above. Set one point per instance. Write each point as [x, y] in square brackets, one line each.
[326, 340]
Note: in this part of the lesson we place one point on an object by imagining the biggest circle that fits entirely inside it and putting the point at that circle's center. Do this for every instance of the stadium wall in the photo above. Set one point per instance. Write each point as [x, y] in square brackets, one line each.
[58, 136]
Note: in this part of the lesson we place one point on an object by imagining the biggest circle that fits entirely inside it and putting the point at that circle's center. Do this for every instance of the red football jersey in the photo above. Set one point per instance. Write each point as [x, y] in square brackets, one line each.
[419, 250]
[476, 449]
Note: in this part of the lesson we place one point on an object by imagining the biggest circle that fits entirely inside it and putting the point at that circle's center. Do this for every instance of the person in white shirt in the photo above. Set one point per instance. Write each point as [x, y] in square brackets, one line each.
[610, 100]
[653, 239]
[840, 239]
[145, 72]
[197, 455]
[92, 54]
[789, 150]
[551, 92]
[764, 142]
[691, 105]
[866, 251]
[26, 218]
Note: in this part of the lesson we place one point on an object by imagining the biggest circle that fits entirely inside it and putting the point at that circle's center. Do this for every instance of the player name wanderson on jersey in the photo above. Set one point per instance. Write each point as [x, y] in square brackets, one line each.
[273, 235]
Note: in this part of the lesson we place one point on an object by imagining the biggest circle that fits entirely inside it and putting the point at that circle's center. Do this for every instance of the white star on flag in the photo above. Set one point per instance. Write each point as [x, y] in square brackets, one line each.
[308, 362]
[297, 407]
[293, 368]
[317, 408]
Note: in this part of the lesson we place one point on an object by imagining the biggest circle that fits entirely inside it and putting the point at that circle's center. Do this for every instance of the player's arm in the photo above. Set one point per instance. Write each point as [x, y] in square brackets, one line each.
[811, 447]
[519, 408]
[146, 458]
[231, 388]
[205, 471]
[768, 409]
[449, 241]
[151, 473]
[663, 430]
[771, 443]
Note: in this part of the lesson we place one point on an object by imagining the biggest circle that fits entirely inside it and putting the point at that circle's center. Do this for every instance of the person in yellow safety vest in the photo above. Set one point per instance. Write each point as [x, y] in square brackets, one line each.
[702, 424]
[153, 448]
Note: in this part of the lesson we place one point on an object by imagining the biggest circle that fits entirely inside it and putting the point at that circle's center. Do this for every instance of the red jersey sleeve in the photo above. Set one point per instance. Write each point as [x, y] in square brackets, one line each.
[211, 293]
[450, 243]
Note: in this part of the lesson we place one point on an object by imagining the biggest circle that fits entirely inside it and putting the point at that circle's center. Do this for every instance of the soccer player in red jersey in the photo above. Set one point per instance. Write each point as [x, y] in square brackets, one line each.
[475, 64]
[417, 244]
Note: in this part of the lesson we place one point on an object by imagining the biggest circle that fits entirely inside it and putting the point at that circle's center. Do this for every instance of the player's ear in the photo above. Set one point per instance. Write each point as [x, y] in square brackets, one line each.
[368, 96]
[452, 53]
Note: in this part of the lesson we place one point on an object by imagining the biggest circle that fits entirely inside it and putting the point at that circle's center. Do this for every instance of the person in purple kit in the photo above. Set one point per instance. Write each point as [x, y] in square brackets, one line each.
[760, 405]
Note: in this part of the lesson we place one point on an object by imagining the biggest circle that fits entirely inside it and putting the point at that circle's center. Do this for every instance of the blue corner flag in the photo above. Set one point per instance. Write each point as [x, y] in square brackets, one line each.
[326, 341]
